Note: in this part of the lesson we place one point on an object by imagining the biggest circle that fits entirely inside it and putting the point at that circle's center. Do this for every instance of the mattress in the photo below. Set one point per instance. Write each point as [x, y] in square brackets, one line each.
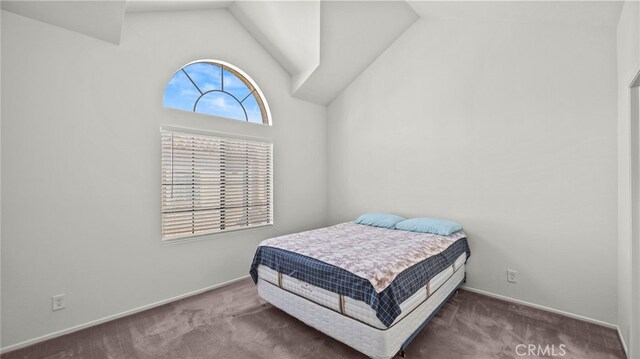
[381, 267]
[358, 329]
[352, 308]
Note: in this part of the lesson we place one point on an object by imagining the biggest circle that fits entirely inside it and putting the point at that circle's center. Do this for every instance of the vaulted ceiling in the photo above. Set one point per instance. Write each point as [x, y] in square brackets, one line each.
[100, 19]
[323, 45]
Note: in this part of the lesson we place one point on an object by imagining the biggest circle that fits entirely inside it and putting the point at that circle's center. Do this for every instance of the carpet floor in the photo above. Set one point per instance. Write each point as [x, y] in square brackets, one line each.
[233, 322]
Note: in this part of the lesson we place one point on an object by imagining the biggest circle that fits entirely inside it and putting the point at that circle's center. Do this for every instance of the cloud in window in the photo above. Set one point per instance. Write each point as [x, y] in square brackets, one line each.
[213, 89]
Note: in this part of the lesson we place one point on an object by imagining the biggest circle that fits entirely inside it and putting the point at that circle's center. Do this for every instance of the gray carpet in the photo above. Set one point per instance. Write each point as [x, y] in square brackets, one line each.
[232, 322]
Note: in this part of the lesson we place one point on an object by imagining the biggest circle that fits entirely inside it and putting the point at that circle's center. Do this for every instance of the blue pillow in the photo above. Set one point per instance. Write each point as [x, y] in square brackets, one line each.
[384, 220]
[442, 227]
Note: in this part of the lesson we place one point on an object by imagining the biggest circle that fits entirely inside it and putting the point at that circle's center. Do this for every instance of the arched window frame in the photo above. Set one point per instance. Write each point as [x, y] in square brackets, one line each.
[242, 76]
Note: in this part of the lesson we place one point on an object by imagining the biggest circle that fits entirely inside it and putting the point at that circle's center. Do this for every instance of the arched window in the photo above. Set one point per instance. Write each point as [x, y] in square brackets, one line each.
[216, 88]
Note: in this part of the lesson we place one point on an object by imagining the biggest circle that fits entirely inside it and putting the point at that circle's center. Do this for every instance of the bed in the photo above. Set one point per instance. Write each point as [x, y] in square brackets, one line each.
[371, 288]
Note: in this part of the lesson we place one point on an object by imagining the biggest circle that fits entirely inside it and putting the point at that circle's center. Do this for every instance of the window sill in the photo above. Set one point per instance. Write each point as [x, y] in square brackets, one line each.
[204, 236]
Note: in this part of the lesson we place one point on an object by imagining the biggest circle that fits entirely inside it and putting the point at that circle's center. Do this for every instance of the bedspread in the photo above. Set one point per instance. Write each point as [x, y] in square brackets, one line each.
[381, 267]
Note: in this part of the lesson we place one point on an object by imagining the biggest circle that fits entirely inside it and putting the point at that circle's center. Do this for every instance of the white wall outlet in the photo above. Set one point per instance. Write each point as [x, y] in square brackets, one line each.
[59, 302]
[512, 276]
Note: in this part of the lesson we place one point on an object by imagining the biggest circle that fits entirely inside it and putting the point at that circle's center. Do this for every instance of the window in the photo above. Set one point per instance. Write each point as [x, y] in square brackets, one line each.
[218, 89]
[214, 184]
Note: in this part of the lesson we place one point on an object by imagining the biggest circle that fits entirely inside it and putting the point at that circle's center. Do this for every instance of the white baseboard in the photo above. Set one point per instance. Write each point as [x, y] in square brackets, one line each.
[186, 295]
[542, 307]
[624, 345]
[557, 311]
[26, 343]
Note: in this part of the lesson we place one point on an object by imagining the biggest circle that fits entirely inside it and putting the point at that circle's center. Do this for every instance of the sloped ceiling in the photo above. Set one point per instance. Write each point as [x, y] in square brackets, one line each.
[100, 19]
[597, 13]
[289, 30]
[323, 45]
[352, 35]
[175, 5]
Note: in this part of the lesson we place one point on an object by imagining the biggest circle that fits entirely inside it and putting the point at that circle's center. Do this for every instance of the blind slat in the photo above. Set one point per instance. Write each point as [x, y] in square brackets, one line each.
[212, 184]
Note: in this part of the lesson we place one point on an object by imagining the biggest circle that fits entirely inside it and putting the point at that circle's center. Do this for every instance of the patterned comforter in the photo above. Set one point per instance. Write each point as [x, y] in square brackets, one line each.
[381, 267]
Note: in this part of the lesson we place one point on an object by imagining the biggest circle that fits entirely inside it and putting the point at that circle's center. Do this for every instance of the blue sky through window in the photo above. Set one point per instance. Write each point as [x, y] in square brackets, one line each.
[200, 84]
[220, 104]
[253, 110]
[180, 93]
[206, 76]
[235, 86]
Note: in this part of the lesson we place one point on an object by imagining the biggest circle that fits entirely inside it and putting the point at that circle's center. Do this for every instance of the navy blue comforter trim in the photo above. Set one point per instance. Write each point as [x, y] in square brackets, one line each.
[337, 280]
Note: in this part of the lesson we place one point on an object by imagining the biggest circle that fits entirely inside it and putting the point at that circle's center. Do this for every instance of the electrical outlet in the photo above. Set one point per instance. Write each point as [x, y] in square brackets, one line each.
[512, 276]
[59, 302]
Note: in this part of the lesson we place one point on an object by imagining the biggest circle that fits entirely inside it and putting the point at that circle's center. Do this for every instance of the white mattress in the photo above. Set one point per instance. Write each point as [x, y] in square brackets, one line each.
[353, 308]
[360, 334]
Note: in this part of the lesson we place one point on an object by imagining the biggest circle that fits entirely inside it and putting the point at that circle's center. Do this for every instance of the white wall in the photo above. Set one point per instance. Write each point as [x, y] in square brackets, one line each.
[0, 182]
[508, 128]
[289, 30]
[81, 165]
[628, 36]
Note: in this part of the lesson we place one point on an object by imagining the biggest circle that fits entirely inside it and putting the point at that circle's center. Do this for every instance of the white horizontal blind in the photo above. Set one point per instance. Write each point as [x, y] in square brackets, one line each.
[214, 184]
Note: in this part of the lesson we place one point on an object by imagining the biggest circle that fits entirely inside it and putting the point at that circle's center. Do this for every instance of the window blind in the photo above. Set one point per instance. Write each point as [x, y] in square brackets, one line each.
[214, 184]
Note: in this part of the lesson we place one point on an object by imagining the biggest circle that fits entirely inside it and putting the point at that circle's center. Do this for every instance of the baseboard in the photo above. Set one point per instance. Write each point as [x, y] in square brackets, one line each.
[542, 307]
[624, 345]
[76, 328]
